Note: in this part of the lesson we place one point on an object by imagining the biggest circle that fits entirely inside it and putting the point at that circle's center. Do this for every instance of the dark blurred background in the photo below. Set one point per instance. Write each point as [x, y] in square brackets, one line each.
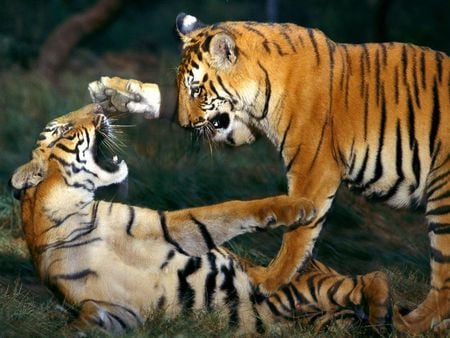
[51, 49]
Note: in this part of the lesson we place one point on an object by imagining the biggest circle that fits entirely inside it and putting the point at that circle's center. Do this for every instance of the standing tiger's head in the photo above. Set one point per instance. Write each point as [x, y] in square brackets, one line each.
[69, 147]
[216, 87]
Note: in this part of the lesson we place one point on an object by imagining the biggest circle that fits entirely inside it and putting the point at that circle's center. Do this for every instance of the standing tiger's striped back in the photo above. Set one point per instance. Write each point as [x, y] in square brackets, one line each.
[374, 116]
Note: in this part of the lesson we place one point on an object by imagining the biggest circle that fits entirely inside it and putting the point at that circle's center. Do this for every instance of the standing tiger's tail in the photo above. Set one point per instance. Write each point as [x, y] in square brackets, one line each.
[321, 295]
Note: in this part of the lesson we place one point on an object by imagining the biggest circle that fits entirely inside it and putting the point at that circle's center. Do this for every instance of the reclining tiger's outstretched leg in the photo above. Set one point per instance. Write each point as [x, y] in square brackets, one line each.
[318, 294]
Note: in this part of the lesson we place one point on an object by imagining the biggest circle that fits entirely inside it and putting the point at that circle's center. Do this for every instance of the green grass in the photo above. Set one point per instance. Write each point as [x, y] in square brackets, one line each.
[168, 171]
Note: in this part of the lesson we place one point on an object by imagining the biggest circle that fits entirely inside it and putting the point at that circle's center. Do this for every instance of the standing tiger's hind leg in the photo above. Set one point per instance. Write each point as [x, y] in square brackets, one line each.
[108, 317]
[321, 295]
[434, 312]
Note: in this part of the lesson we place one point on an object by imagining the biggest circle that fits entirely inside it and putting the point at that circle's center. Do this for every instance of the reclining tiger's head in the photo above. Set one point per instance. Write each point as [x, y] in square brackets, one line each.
[68, 150]
[216, 87]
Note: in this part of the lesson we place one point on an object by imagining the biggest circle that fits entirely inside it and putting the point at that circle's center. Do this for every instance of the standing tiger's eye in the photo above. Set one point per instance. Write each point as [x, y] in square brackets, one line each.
[221, 121]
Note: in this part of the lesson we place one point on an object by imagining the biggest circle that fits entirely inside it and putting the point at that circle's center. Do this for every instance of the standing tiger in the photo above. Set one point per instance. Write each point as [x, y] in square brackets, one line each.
[118, 262]
[374, 116]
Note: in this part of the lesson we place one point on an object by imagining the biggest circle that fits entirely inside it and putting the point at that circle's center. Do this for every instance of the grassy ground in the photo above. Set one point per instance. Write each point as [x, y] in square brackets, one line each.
[168, 172]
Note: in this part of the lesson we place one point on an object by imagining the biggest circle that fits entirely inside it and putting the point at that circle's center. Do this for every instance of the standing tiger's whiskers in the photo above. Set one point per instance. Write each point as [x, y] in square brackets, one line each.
[206, 132]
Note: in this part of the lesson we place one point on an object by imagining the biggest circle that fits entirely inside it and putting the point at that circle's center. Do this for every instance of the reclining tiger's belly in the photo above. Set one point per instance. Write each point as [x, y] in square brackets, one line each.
[118, 262]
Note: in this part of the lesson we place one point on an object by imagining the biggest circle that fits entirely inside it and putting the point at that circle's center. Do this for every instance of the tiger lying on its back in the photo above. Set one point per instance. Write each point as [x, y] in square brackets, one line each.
[119, 262]
[375, 116]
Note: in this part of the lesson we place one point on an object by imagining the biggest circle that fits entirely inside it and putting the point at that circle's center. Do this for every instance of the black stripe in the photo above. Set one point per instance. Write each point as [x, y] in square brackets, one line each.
[442, 196]
[166, 234]
[210, 283]
[311, 287]
[273, 308]
[214, 90]
[439, 257]
[291, 161]
[266, 46]
[384, 52]
[314, 43]
[223, 87]
[321, 281]
[443, 210]
[319, 146]
[278, 47]
[67, 149]
[186, 294]
[75, 275]
[206, 43]
[170, 255]
[377, 76]
[287, 292]
[122, 324]
[268, 92]
[435, 117]
[366, 110]
[254, 30]
[396, 90]
[232, 297]
[333, 290]
[289, 41]
[438, 179]
[398, 166]
[283, 140]
[300, 298]
[423, 70]
[438, 58]
[130, 221]
[360, 175]
[366, 56]
[411, 120]
[379, 161]
[352, 158]
[415, 82]
[439, 228]
[404, 64]
[431, 192]
[362, 71]
[161, 303]
[416, 164]
[205, 233]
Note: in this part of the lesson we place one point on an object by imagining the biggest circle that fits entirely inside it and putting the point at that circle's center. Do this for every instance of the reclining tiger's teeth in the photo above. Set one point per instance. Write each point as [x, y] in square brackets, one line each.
[115, 159]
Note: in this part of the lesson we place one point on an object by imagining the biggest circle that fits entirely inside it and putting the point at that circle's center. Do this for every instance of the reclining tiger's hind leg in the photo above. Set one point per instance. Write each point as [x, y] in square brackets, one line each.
[320, 294]
[108, 317]
[434, 312]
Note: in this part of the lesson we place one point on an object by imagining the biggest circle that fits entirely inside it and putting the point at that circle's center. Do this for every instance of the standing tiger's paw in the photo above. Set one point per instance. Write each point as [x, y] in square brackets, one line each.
[116, 94]
[293, 212]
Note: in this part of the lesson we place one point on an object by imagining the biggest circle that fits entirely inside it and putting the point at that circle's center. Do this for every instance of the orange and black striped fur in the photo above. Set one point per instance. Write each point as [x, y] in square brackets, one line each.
[373, 116]
[118, 262]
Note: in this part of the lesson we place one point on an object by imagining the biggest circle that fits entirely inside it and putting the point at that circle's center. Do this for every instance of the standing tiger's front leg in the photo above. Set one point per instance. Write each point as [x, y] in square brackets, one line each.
[200, 229]
[298, 243]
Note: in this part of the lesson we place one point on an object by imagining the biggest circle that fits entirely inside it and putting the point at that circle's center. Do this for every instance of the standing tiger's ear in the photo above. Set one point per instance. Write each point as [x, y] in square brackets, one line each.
[186, 24]
[223, 50]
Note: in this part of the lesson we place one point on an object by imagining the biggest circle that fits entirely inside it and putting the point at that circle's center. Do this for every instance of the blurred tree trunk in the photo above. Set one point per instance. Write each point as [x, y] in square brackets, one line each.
[272, 10]
[56, 49]
[380, 24]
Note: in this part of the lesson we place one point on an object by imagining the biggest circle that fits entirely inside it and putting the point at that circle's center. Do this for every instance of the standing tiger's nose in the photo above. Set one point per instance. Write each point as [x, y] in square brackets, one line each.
[200, 121]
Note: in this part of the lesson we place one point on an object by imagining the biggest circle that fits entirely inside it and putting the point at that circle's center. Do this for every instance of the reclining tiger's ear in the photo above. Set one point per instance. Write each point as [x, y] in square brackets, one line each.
[223, 50]
[186, 24]
[29, 174]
